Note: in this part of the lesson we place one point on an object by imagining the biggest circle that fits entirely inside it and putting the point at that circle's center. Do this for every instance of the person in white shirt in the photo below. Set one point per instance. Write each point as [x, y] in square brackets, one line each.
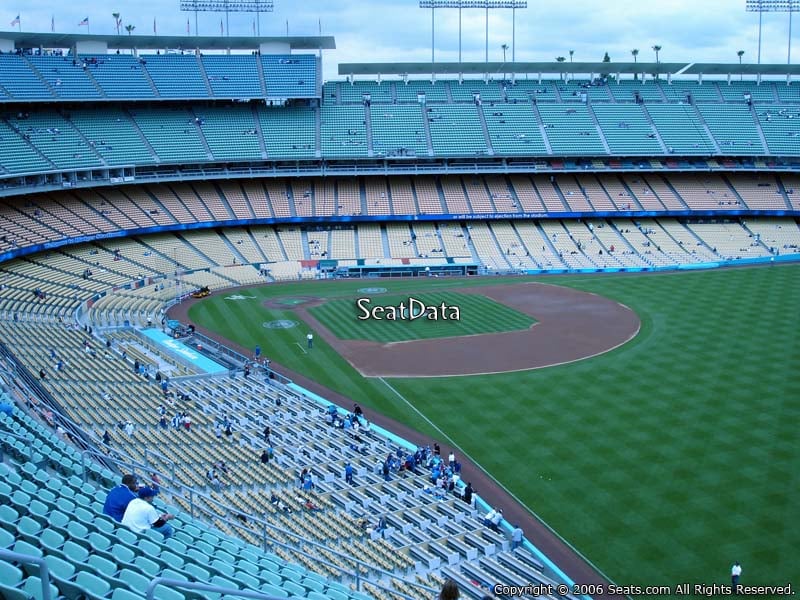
[140, 514]
[736, 571]
[516, 537]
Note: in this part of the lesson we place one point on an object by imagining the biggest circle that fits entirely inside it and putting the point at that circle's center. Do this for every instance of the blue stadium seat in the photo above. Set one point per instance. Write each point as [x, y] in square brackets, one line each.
[294, 588]
[6, 539]
[123, 594]
[135, 582]
[102, 566]
[23, 547]
[274, 590]
[61, 571]
[51, 541]
[122, 553]
[33, 588]
[29, 530]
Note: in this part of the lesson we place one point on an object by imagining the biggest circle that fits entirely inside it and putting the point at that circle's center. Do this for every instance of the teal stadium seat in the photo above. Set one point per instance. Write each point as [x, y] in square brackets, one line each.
[33, 588]
[123, 594]
[6, 539]
[51, 541]
[29, 530]
[8, 517]
[23, 547]
[135, 582]
[274, 590]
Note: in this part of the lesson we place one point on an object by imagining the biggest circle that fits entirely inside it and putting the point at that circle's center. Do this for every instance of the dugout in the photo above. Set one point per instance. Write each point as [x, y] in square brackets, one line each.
[375, 271]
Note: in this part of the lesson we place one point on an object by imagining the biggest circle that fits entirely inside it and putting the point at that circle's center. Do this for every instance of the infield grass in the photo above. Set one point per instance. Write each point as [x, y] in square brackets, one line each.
[662, 461]
[477, 314]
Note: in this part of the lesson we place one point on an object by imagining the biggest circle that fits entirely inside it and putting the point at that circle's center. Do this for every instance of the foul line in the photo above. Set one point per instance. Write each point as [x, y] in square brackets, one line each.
[416, 410]
[509, 492]
[301, 347]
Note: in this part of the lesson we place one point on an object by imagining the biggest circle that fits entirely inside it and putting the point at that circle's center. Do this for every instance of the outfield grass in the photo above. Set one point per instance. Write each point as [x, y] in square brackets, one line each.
[662, 461]
[477, 314]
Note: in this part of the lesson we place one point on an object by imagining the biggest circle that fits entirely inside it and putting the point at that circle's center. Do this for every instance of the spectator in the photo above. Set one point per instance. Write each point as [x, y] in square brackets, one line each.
[492, 516]
[119, 497]
[348, 473]
[381, 524]
[6, 408]
[214, 480]
[265, 457]
[496, 520]
[140, 515]
[278, 503]
[468, 493]
[449, 591]
[516, 537]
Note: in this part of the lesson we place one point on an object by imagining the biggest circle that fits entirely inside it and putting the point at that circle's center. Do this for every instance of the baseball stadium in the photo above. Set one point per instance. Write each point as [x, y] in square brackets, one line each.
[418, 330]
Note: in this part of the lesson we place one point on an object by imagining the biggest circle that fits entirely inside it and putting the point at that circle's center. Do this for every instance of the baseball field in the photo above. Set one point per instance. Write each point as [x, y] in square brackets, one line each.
[663, 458]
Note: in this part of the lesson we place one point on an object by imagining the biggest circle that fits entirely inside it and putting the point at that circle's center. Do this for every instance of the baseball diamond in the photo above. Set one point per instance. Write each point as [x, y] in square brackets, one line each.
[410, 330]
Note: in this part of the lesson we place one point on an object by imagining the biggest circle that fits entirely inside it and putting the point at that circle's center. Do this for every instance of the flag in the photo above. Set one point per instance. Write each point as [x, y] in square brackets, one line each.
[52, 24]
[155, 31]
[15, 21]
[84, 22]
[254, 26]
[187, 26]
[221, 29]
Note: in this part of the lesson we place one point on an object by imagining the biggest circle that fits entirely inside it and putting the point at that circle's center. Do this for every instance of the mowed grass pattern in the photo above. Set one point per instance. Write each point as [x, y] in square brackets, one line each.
[662, 461]
[478, 314]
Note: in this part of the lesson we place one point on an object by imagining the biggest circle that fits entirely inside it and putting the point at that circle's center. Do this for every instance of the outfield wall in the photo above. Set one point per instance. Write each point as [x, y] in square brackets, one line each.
[742, 262]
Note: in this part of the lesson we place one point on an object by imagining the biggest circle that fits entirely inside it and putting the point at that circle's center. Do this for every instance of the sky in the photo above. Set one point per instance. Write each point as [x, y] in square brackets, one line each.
[400, 31]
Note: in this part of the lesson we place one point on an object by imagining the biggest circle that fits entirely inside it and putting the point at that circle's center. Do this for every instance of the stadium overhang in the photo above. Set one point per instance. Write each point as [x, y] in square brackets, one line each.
[582, 69]
[483, 68]
[737, 69]
[14, 40]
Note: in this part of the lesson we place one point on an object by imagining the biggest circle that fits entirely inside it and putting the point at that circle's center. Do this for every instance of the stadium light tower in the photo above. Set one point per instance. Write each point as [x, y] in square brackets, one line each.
[228, 6]
[762, 6]
[484, 4]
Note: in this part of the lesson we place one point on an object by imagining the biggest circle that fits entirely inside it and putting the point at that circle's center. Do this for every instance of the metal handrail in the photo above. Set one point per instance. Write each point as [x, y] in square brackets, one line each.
[28, 441]
[44, 571]
[203, 587]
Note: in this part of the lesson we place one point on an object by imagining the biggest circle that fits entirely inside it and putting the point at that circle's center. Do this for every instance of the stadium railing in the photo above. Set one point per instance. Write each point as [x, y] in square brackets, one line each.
[44, 572]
